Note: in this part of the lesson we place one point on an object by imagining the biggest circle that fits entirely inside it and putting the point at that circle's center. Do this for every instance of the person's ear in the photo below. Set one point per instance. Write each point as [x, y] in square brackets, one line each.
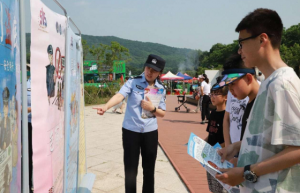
[249, 78]
[264, 38]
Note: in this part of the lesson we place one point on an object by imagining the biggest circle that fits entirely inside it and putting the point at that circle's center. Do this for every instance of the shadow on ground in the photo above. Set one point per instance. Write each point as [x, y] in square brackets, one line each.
[182, 121]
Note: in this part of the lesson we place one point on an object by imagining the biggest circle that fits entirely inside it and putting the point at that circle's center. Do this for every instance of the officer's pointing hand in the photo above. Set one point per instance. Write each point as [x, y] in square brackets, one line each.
[147, 104]
[100, 110]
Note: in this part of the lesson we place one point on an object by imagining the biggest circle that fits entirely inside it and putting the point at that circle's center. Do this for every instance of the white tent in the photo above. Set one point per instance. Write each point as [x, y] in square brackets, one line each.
[170, 76]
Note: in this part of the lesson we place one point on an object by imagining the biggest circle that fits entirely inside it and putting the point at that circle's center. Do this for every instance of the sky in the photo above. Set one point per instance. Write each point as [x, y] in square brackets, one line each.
[194, 24]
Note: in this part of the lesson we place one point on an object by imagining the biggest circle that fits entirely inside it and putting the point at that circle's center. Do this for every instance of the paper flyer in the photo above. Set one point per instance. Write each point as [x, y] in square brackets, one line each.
[155, 95]
[208, 157]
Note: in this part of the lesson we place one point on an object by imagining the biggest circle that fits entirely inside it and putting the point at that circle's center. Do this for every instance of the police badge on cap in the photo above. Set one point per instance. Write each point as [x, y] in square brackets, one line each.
[5, 96]
[155, 62]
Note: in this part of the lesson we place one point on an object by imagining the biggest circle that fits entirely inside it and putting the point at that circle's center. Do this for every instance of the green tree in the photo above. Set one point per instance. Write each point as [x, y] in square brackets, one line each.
[291, 56]
[291, 36]
[85, 48]
[105, 55]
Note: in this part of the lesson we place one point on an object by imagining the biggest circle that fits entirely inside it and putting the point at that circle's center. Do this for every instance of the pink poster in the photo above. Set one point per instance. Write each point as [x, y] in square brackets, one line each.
[48, 31]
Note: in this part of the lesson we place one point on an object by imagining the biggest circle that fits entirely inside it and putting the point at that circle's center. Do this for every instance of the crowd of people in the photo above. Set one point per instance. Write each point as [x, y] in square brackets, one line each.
[256, 120]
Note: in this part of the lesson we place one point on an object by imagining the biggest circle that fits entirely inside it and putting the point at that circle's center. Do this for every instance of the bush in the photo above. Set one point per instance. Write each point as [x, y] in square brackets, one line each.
[95, 95]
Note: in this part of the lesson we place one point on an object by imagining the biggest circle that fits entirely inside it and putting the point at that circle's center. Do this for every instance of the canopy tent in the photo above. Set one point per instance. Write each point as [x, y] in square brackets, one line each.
[184, 76]
[170, 76]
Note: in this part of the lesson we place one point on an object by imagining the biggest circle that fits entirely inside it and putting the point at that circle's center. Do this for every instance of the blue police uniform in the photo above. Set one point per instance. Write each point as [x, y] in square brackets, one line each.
[133, 121]
[140, 136]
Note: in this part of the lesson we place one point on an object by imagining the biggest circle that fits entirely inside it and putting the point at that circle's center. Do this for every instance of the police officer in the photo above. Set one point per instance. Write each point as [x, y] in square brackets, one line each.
[50, 79]
[140, 135]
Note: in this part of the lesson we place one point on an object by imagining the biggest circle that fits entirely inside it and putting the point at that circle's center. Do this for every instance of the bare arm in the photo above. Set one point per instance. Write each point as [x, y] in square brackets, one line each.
[289, 157]
[286, 158]
[226, 133]
[159, 113]
[116, 99]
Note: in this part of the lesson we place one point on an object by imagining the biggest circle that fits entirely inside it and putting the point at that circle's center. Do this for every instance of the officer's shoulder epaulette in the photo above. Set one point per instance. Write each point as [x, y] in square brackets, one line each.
[137, 77]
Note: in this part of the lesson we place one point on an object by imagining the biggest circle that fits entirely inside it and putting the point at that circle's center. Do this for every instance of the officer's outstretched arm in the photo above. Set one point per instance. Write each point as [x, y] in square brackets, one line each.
[116, 99]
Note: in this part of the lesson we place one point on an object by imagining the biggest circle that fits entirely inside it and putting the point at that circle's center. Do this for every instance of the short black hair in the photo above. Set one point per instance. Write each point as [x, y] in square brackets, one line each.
[263, 21]
[234, 61]
[223, 90]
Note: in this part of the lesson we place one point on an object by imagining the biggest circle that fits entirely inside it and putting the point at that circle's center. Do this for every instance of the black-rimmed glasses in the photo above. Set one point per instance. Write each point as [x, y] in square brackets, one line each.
[241, 40]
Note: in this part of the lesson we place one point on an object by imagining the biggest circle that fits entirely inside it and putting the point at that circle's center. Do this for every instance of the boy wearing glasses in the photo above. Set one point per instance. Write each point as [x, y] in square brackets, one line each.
[269, 154]
[215, 130]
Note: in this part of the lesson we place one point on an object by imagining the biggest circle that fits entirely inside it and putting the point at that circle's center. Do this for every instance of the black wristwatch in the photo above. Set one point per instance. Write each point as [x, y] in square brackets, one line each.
[154, 110]
[249, 175]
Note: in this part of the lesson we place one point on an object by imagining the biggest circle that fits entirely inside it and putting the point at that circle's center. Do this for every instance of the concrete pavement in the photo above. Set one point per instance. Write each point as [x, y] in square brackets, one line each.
[105, 157]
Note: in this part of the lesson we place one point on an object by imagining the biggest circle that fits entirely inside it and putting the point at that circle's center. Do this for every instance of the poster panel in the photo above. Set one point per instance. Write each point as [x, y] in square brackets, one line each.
[82, 147]
[73, 75]
[48, 31]
[10, 90]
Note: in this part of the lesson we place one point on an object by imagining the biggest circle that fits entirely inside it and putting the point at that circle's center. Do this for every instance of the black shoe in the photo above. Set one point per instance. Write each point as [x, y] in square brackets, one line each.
[202, 122]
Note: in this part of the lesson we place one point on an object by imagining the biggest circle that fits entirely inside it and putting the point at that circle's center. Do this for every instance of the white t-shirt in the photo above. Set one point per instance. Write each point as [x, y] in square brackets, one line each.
[206, 88]
[274, 123]
[236, 109]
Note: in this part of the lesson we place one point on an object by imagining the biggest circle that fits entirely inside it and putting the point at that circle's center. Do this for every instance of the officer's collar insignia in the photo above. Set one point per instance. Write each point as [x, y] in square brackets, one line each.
[139, 87]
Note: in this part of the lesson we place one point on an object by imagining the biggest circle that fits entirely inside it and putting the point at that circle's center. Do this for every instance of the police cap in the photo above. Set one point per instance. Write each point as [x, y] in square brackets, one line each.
[155, 62]
[50, 49]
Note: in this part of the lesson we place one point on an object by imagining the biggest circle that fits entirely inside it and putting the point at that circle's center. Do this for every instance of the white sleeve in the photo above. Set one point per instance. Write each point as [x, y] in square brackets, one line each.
[284, 107]
[228, 104]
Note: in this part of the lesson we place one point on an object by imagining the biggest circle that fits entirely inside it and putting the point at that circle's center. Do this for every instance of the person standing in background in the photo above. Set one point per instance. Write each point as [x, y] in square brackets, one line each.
[205, 91]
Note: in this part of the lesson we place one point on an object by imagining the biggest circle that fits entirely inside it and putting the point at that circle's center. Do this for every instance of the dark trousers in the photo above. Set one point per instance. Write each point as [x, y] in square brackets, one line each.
[133, 143]
[205, 109]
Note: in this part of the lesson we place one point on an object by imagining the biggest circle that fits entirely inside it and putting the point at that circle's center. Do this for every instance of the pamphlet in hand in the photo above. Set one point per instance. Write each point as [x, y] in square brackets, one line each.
[208, 157]
[155, 95]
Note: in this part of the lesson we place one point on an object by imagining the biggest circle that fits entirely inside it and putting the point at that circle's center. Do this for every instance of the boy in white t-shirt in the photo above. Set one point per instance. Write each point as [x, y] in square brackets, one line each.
[232, 123]
[269, 154]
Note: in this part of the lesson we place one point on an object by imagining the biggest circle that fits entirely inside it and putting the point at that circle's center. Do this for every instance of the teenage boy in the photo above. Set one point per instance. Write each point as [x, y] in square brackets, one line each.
[269, 154]
[235, 108]
[243, 86]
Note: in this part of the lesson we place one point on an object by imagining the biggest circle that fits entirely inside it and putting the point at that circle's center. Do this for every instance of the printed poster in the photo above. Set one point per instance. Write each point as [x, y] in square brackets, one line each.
[10, 111]
[48, 31]
[82, 148]
[72, 111]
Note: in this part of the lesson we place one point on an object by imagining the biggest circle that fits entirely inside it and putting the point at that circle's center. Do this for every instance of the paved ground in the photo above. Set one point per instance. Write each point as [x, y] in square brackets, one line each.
[105, 157]
[174, 132]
